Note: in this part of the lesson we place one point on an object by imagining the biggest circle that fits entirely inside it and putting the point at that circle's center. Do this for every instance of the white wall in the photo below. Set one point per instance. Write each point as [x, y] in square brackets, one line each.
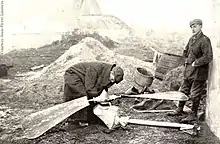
[213, 101]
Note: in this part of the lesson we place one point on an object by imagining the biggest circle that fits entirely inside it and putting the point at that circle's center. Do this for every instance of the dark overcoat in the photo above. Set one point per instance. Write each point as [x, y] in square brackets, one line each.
[87, 79]
[198, 50]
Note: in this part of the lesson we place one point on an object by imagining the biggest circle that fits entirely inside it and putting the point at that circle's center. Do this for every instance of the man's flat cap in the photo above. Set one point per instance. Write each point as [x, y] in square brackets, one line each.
[195, 21]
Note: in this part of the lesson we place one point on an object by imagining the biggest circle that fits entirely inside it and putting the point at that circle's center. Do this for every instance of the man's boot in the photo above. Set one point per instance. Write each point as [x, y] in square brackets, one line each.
[190, 118]
[193, 115]
[179, 111]
[142, 105]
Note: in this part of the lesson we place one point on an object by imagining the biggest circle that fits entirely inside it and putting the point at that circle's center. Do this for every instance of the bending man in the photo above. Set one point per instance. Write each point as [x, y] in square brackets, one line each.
[89, 79]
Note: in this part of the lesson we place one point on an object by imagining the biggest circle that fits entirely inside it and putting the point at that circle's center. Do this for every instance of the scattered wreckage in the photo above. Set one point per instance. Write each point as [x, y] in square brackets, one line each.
[39, 122]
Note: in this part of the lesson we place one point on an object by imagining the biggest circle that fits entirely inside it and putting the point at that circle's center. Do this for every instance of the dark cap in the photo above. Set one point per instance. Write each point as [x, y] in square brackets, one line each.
[118, 73]
[195, 21]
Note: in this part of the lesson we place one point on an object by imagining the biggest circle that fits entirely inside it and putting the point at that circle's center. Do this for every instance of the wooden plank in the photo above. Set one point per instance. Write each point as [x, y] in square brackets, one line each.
[160, 124]
[38, 123]
[171, 95]
[153, 111]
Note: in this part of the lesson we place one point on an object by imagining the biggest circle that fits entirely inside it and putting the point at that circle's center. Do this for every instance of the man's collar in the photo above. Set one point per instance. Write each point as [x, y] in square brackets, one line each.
[196, 36]
[107, 74]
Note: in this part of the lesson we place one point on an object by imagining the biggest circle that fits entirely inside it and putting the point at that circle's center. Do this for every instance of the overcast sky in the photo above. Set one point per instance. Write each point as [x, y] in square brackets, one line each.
[54, 16]
[154, 13]
[140, 13]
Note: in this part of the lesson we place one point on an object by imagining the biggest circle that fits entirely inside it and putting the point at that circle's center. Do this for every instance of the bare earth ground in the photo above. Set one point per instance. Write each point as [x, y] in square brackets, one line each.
[16, 108]
[13, 108]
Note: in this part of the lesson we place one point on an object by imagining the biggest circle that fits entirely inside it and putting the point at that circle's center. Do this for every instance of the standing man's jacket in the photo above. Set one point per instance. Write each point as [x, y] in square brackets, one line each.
[198, 50]
[94, 76]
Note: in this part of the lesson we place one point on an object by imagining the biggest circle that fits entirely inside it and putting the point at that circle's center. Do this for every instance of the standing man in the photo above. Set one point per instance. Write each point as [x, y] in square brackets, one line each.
[89, 79]
[198, 54]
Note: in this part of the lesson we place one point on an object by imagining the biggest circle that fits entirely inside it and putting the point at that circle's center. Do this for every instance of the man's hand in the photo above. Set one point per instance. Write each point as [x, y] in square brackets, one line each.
[113, 97]
[110, 97]
[103, 97]
[193, 64]
[98, 99]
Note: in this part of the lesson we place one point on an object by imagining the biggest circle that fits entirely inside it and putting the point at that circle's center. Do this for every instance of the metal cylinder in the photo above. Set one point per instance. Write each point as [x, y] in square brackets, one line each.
[143, 78]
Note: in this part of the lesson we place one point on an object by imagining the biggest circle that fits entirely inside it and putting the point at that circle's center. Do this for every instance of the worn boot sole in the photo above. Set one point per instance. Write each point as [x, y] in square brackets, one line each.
[188, 121]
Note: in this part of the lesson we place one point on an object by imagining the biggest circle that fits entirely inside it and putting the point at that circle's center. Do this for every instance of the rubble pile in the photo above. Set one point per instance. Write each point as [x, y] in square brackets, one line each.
[48, 84]
[77, 35]
[172, 80]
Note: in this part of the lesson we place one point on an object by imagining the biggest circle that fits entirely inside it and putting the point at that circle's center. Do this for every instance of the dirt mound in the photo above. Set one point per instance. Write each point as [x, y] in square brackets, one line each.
[172, 80]
[77, 35]
[47, 86]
